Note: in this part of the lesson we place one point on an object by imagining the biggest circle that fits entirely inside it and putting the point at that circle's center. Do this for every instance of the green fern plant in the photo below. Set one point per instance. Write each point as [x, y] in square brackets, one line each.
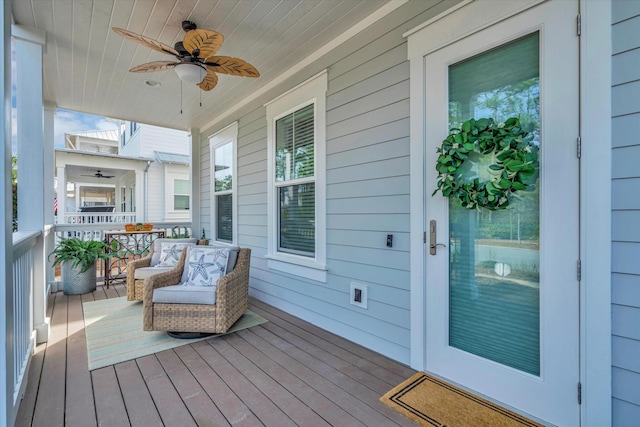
[83, 253]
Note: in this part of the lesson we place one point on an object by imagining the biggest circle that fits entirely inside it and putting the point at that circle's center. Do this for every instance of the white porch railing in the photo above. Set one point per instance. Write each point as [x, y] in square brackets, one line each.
[96, 218]
[23, 291]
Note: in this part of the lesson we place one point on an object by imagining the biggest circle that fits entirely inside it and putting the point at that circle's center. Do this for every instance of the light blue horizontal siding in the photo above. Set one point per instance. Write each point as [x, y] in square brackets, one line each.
[625, 251]
[625, 413]
[625, 33]
[624, 130]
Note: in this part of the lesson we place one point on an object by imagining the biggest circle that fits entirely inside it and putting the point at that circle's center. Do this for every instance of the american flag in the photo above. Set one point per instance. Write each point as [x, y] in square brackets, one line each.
[55, 206]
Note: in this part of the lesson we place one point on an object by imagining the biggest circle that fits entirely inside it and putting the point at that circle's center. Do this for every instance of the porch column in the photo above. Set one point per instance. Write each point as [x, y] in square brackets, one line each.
[141, 214]
[6, 250]
[47, 147]
[118, 199]
[31, 160]
[194, 162]
[49, 166]
[61, 190]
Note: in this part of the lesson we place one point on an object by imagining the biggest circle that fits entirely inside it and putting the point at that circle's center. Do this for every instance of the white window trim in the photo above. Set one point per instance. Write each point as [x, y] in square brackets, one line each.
[311, 91]
[170, 175]
[224, 136]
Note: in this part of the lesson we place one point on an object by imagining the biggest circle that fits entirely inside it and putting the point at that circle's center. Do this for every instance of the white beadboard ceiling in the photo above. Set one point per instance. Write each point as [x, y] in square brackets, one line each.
[86, 64]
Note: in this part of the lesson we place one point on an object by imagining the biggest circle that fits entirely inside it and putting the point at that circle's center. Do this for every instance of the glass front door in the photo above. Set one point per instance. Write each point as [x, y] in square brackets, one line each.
[502, 295]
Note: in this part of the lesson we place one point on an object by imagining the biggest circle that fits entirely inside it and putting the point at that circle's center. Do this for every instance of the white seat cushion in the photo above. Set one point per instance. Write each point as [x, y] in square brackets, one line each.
[146, 272]
[181, 294]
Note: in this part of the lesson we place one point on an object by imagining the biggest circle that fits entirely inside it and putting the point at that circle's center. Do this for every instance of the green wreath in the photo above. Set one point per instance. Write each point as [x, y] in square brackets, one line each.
[514, 163]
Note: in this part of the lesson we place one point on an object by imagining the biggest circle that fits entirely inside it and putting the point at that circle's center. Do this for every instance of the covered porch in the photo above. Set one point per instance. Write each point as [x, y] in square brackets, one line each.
[284, 372]
[344, 284]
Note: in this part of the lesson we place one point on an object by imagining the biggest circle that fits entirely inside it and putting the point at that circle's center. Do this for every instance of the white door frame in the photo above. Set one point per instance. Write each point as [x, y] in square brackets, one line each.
[595, 193]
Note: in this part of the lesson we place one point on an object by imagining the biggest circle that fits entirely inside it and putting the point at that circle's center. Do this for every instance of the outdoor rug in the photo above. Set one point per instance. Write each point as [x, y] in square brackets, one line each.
[432, 402]
[113, 329]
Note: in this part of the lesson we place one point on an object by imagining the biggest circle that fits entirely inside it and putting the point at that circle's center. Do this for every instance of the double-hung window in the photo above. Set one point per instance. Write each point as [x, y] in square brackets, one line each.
[181, 191]
[296, 186]
[223, 147]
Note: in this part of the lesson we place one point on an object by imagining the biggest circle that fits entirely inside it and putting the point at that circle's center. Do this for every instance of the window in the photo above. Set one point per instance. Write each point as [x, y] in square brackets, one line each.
[296, 161]
[181, 191]
[295, 182]
[132, 198]
[223, 147]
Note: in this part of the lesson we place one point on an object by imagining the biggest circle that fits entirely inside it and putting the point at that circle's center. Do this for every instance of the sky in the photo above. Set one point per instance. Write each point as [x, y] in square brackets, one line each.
[66, 121]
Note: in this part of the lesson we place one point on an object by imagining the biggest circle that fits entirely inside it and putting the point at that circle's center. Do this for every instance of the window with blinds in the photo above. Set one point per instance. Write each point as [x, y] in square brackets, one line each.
[223, 191]
[295, 181]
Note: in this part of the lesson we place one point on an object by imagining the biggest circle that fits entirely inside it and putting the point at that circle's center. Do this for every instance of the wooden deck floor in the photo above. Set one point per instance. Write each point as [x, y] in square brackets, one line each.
[285, 372]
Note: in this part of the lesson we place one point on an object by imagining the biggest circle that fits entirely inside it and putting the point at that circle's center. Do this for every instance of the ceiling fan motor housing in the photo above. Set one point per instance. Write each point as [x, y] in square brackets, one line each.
[188, 25]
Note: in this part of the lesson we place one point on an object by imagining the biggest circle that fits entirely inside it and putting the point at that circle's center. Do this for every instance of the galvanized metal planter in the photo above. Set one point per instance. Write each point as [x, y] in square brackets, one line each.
[75, 282]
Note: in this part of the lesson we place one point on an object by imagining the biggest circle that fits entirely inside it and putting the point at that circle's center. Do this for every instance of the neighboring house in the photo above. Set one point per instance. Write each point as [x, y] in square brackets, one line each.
[328, 172]
[124, 169]
[168, 182]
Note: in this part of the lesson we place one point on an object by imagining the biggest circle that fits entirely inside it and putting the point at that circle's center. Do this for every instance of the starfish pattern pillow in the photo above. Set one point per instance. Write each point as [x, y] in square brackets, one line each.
[204, 265]
[170, 253]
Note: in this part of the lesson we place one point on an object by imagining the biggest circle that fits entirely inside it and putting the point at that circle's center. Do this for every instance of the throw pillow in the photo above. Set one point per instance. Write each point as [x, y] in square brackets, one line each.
[205, 265]
[170, 254]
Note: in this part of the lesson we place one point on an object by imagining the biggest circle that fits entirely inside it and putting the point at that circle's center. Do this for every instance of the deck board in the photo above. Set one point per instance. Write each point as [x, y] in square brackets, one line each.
[79, 404]
[285, 372]
[110, 408]
[140, 407]
[50, 411]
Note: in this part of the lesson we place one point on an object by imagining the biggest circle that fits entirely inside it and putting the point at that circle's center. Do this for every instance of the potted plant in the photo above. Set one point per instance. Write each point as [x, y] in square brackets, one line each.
[203, 240]
[78, 258]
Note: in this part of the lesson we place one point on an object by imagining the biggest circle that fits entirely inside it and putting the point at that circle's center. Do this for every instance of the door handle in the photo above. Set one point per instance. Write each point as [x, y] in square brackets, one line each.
[433, 238]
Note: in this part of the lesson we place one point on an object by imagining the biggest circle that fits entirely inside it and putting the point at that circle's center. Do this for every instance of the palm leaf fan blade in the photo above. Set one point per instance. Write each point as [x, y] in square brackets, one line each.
[209, 82]
[151, 67]
[208, 42]
[232, 66]
[146, 41]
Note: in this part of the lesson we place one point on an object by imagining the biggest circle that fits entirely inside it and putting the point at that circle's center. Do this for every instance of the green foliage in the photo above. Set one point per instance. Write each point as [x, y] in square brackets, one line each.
[83, 253]
[224, 183]
[509, 149]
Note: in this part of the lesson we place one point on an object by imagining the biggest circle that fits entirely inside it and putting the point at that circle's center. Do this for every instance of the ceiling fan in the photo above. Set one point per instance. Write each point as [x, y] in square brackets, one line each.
[197, 62]
[98, 174]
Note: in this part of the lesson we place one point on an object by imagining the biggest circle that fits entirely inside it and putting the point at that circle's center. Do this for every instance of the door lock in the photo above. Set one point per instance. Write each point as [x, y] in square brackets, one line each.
[432, 238]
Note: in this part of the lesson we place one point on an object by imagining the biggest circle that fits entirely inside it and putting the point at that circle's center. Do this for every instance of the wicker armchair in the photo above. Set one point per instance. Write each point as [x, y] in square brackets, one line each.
[144, 267]
[231, 301]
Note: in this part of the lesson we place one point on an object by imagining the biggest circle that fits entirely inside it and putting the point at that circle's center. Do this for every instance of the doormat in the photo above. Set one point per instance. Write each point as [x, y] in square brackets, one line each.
[433, 402]
[113, 329]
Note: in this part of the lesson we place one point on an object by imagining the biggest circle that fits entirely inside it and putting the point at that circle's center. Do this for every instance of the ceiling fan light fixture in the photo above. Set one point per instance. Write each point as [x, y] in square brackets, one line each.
[190, 73]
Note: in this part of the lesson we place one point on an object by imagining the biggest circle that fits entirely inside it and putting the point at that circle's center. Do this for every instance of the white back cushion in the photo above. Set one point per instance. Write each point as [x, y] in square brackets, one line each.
[204, 265]
[157, 247]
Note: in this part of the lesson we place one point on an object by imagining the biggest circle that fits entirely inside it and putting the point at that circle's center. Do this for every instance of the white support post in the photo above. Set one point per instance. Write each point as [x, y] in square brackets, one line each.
[61, 189]
[195, 207]
[6, 235]
[49, 171]
[31, 161]
[141, 214]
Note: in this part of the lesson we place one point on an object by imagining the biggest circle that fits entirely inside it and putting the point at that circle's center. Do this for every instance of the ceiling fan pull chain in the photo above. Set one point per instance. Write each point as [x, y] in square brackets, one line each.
[201, 98]
[180, 96]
